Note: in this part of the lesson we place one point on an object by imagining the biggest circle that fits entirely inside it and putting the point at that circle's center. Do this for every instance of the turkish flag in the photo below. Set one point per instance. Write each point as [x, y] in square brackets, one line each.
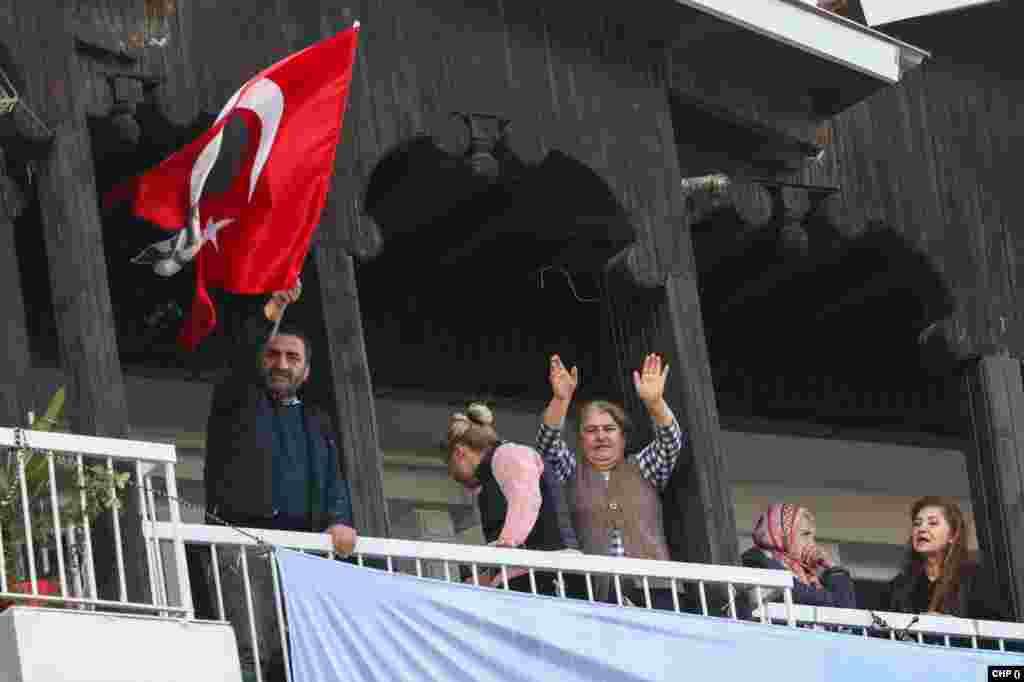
[258, 231]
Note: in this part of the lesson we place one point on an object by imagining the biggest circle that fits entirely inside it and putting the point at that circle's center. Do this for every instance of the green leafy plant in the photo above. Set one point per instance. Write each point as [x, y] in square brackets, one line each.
[101, 488]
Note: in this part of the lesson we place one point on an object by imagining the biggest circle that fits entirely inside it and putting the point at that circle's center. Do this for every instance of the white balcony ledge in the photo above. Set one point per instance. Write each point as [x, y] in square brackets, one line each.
[820, 33]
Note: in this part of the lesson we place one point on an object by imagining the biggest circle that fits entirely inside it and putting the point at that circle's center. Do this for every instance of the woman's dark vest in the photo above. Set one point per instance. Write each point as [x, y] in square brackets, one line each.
[545, 534]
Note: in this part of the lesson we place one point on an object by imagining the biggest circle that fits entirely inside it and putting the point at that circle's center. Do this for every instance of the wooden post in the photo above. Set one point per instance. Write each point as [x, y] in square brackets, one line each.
[66, 186]
[85, 325]
[700, 492]
[645, 317]
[14, 399]
[996, 470]
[78, 276]
[349, 379]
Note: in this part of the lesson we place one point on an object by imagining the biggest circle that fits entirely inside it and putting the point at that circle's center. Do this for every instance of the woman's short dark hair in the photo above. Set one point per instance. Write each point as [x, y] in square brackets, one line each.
[613, 410]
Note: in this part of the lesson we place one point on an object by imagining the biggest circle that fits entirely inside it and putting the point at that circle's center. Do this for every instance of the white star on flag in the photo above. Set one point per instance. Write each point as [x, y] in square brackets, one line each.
[212, 228]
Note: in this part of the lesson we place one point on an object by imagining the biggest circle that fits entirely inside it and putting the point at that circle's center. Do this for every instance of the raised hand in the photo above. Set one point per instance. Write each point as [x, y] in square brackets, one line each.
[563, 382]
[279, 299]
[343, 538]
[816, 555]
[649, 380]
[826, 557]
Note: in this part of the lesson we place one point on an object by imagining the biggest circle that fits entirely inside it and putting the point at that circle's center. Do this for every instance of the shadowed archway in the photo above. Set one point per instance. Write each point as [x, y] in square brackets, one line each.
[480, 279]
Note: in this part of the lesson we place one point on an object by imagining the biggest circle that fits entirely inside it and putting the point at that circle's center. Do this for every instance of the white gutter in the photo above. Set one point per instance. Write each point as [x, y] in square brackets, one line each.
[818, 32]
[886, 11]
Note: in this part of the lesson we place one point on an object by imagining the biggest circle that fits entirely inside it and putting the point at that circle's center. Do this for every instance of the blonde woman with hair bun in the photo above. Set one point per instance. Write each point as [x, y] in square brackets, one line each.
[517, 506]
[470, 433]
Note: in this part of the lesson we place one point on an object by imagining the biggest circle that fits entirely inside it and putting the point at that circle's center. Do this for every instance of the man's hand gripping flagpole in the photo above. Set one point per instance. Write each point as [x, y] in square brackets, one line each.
[278, 303]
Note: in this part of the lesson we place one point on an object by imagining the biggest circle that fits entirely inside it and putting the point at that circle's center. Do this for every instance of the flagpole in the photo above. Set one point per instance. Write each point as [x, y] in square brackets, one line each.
[277, 323]
[275, 311]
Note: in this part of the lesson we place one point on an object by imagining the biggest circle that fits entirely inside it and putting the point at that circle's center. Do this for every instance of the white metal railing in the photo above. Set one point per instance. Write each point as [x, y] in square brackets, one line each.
[72, 453]
[924, 629]
[74, 467]
[759, 584]
[705, 577]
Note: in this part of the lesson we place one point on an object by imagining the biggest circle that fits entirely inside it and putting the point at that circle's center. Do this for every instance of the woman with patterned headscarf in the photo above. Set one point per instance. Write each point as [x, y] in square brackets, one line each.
[784, 538]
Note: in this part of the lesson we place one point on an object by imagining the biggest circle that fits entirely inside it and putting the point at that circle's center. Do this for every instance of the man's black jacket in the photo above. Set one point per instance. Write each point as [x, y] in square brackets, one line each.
[240, 441]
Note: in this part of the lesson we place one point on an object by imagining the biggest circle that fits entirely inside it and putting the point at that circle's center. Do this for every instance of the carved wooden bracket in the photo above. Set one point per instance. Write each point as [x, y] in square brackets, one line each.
[104, 44]
[487, 152]
[634, 267]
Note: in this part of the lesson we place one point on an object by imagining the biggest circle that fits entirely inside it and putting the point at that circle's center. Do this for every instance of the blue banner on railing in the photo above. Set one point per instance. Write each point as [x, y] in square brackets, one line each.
[364, 625]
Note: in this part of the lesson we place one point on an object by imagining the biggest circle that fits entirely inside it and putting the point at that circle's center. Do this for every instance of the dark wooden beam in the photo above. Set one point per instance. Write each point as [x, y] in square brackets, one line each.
[65, 183]
[14, 398]
[700, 489]
[996, 470]
[78, 277]
[644, 315]
[721, 139]
[351, 387]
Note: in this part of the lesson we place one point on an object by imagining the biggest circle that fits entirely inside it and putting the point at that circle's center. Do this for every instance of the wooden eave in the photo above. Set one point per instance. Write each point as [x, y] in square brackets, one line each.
[778, 65]
[813, 31]
[943, 33]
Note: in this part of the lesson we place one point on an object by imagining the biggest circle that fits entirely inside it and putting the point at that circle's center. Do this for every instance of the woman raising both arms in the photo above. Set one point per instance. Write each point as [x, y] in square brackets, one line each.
[614, 498]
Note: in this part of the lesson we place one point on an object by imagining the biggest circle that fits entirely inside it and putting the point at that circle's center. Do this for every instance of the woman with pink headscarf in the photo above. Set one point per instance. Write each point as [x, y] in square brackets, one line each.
[784, 538]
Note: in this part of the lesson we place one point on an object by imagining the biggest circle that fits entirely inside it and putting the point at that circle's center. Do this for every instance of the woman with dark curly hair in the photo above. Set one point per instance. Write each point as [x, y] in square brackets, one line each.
[938, 577]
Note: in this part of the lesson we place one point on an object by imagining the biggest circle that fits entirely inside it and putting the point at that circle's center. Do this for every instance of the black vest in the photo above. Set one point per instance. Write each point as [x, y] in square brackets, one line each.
[545, 534]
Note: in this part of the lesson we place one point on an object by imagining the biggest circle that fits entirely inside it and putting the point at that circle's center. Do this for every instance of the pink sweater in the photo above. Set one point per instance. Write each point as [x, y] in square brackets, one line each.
[518, 469]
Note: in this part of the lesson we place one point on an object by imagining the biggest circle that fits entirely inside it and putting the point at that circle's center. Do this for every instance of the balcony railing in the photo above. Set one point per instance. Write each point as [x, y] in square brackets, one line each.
[724, 582]
[723, 591]
[70, 475]
[712, 583]
[944, 631]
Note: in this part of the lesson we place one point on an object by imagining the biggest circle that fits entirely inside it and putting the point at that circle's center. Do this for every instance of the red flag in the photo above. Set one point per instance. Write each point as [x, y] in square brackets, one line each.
[257, 233]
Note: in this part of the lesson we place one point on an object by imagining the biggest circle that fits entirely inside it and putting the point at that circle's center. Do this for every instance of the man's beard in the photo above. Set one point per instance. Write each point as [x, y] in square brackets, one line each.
[283, 384]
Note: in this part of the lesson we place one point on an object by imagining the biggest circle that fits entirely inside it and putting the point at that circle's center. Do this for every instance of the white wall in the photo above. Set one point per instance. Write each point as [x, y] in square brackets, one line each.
[107, 647]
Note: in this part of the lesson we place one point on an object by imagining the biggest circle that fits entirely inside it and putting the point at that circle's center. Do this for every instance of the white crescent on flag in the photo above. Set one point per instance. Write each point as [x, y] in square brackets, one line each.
[263, 221]
[264, 98]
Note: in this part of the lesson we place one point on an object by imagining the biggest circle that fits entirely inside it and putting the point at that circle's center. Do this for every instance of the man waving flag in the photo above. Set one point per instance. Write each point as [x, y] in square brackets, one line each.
[256, 233]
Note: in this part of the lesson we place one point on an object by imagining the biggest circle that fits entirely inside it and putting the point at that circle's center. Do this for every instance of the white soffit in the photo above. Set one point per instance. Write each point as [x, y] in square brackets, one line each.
[878, 12]
[818, 32]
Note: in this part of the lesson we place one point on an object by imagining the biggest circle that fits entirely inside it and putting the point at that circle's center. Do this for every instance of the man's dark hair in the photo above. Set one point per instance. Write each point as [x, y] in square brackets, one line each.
[289, 330]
